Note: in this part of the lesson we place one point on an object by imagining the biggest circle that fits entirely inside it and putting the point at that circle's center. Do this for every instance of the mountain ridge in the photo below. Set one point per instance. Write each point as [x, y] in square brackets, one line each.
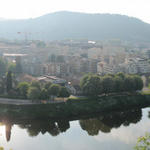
[76, 25]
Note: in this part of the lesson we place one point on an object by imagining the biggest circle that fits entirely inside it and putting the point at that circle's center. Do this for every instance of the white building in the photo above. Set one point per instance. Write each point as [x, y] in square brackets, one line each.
[137, 65]
[104, 68]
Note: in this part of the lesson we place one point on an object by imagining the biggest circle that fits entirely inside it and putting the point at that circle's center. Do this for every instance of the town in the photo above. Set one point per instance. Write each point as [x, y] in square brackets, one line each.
[67, 61]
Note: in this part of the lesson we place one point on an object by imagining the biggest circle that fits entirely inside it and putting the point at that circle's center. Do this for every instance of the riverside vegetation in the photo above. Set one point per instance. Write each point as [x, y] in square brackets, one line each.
[91, 86]
[99, 94]
[34, 90]
[94, 85]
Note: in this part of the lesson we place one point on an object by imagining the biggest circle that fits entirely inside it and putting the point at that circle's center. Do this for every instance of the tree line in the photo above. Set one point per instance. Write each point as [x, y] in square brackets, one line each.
[34, 90]
[94, 85]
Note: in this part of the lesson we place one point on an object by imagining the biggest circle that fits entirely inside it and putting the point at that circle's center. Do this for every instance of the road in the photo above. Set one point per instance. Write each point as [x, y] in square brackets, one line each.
[26, 102]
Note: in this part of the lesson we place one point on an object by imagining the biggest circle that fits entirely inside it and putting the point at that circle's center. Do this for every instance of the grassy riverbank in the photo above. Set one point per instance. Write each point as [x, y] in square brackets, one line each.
[73, 108]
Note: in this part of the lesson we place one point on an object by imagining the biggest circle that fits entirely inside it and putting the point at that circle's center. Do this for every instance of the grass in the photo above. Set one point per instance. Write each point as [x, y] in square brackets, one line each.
[78, 98]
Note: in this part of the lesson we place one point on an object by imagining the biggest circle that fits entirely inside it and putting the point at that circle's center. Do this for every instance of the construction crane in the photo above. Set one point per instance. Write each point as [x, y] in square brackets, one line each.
[26, 35]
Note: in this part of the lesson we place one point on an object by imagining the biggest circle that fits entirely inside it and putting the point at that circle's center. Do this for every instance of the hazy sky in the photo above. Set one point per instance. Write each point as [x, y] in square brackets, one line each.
[34, 8]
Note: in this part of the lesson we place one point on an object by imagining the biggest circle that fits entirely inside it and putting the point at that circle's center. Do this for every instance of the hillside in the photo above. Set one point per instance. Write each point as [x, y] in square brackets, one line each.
[64, 25]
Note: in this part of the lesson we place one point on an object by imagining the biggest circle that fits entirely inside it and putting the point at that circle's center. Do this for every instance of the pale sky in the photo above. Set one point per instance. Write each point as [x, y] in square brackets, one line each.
[17, 9]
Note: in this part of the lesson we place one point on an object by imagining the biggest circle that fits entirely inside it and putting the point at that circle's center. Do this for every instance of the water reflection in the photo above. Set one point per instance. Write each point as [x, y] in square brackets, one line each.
[34, 127]
[106, 122]
[102, 122]
[46, 126]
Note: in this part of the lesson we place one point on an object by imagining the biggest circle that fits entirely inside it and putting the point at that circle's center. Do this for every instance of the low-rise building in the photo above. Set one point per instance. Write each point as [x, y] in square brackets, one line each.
[52, 79]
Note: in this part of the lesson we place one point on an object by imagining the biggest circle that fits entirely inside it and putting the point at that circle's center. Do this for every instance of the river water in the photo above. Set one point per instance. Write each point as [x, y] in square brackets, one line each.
[109, 131]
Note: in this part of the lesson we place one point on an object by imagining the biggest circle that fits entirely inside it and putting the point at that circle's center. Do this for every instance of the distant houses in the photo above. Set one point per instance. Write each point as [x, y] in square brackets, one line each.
[130, 66]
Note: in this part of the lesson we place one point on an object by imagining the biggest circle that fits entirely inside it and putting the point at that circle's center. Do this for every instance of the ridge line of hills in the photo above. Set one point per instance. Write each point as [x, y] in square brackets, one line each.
[73, 25]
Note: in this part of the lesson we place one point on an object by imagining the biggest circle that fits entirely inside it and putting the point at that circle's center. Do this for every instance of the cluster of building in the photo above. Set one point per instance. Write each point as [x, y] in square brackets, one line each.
[76, 65]
[70, 66]
[131, 65]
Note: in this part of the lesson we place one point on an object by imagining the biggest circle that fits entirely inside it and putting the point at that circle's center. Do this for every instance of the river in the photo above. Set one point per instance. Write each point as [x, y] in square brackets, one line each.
[109, 131]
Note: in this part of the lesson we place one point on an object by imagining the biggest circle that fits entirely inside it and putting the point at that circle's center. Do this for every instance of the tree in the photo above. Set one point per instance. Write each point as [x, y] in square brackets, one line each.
[63, 125]
[3, 67]
[12, 67]
[54, 89]
[129, 84]
[43, 94]
[47, 85]
[2, 87]
[121, 75]
[23, 89]
[63, 92]
[143, 142]
[138, 82]
[118, 84]
[107, 84]
[9, 81]
[92, 86]
[33, 93]
[36, 84]
[84, 80]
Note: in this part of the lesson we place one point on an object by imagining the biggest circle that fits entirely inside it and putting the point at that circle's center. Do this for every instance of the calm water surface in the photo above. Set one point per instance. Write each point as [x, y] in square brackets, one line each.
[111, 131]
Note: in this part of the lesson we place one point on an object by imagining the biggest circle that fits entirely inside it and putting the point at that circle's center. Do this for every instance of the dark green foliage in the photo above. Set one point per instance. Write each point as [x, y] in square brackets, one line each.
[9, 81]
[2, 87]
[129, 84]
[118, 84]
[121, 75]
[93, 85]
[47, 85]
[138, 82]
[84, 80]
[107, 84]
[33, 93]
[23, 89]
[111, 120]
[43, 94]
[63, 92]
[3, 67]
[36, 84]
[54, 89]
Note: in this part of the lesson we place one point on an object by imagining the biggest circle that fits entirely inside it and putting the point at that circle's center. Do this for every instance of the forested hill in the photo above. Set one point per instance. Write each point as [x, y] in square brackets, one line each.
[66, 25]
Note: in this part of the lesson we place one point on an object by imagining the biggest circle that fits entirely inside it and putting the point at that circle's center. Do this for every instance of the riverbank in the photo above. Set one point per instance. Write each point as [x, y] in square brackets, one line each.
[73, 108]
[9, 101]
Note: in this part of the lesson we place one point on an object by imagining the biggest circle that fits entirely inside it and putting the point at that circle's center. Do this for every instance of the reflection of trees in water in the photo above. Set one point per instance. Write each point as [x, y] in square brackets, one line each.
[8, 131]
[102, 123]
[106, 122]
[149, 114]
[53, 128]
